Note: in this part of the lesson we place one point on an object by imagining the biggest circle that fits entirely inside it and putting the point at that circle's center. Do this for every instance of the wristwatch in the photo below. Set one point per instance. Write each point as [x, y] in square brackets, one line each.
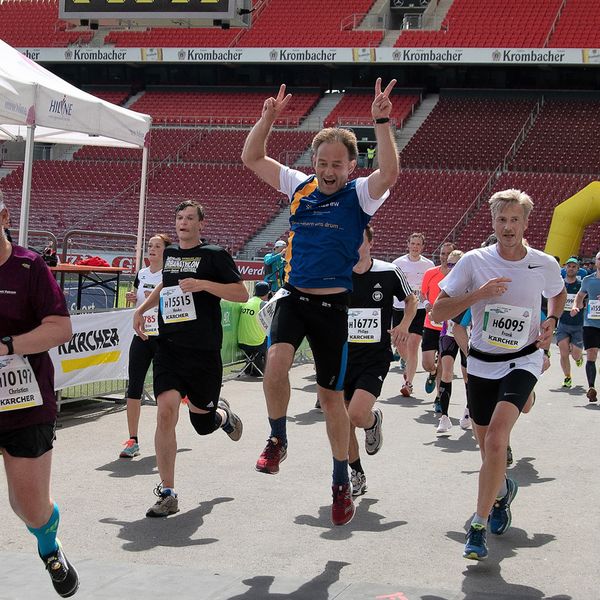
[8, 342]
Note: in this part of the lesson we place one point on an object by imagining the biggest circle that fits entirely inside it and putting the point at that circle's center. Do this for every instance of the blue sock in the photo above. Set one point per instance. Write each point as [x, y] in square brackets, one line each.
[46, 534]
[279, 429]
[340, 472]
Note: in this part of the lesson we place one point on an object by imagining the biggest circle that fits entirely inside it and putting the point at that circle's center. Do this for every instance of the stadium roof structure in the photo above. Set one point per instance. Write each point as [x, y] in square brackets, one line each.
[41, 107]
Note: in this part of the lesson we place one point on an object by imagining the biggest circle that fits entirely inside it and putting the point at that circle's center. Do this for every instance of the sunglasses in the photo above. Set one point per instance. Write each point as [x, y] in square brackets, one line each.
[450, 265]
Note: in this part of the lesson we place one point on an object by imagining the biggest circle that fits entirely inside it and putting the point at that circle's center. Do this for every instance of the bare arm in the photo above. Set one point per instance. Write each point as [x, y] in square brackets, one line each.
[400, 332]
[556, 305]
[385, 176]
[53, 331]
[446, 307]
[138, 316]
[578, 303]
[254, 153]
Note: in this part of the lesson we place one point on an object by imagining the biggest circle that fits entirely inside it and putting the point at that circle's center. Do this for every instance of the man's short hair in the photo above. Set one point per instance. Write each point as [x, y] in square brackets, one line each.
[489, 241]
[417, 234]
[455, 256]
[186, 204]
[500, 200]
[337, 134]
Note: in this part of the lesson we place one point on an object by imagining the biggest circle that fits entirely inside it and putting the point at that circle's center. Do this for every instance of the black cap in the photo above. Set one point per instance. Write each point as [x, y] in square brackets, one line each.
[262, 288]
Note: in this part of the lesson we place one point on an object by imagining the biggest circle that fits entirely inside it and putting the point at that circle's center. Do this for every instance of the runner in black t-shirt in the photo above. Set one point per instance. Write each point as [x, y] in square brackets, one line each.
[375, 284]
[196, 276]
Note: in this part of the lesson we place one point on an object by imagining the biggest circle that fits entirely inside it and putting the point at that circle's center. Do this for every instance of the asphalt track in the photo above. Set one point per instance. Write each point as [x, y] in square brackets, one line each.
[243, 535]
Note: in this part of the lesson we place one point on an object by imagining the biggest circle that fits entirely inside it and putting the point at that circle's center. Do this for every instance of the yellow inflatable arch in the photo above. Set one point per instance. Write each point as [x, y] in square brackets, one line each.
[570, 219]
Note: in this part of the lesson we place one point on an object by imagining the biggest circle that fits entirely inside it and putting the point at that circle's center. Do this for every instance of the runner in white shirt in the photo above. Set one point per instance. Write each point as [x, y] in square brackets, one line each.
[503, 285]
[141, 352]
[413, 265]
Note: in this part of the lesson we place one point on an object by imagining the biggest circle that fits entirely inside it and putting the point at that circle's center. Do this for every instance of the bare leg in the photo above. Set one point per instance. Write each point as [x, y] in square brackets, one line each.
[134, 408]
[165, 439]
[276, 382]
[336, 418]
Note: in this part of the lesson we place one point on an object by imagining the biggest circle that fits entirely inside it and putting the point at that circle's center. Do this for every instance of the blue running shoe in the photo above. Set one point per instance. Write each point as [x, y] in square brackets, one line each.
[476, 546]
[430, 383]
[437, 407]
[500, 517]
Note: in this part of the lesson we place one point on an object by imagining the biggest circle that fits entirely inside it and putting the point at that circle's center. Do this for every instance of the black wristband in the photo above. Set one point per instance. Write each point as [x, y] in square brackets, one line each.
[552, 317]
[382, 120]
[8, 342]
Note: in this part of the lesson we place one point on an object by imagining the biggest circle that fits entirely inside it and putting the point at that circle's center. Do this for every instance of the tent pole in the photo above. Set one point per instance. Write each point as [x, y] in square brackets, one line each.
[26, 192]
[139, 249]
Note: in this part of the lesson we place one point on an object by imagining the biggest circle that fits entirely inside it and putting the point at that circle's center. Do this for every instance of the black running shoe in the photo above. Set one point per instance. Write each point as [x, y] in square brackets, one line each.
[62, 573]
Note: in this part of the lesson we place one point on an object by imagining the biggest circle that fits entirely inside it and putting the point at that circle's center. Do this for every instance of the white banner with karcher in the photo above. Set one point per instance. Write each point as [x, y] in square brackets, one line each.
[97, 351]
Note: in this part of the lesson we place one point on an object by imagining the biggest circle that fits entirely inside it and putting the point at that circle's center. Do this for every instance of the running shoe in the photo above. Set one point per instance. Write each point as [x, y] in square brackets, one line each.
[273, 454]
[395, 357]
[500, 517]
[567, 383]
[592, 395]
[359, 482]
[62, 573]
[476, 546]
[342, 508]
[233, 426]
[407, 389]
[465, 420]
[167, 503]
[579, 362]
[374, 436]
[509, 456]
[437, 406]
[445, 424]
[132, 448]
[402, 364]
[430, 383]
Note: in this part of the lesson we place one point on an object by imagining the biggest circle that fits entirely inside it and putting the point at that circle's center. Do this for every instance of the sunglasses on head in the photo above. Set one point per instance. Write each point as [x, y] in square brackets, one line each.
[451, 264]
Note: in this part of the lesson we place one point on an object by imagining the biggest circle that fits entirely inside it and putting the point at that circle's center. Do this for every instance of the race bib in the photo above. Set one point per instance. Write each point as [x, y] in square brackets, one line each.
[450, 328]
[570, 302]
[593, 309]
[364, 325]
[265, 314]
[18, 386]
[176, 306]
[151, 321]
[506, 326]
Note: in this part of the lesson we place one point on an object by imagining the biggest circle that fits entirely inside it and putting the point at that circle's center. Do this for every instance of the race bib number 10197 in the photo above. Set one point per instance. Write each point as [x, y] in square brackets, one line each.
[18, 386]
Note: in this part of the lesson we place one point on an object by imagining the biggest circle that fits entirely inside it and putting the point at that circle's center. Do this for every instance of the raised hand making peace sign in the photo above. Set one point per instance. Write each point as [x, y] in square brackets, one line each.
[273, 107]
[382, 105]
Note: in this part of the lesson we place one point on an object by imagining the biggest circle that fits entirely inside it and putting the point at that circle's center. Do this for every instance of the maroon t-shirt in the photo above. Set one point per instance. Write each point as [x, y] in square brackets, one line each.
[28, 294]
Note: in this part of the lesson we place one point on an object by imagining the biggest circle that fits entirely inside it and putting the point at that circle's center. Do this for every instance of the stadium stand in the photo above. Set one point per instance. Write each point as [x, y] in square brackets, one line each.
[467, 133]
[114, 96]
[169, 37]
[564, 139]
[355, 109]
[333, 29]
[35, 23]
[424, 200]
[231, 107]
[489, 24]
[547, 190]
[578, 26]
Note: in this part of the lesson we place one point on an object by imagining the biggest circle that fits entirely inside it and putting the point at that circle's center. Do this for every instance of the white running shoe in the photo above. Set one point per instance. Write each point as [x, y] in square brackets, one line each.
[445, 424]
[465, 420]
[359, 483]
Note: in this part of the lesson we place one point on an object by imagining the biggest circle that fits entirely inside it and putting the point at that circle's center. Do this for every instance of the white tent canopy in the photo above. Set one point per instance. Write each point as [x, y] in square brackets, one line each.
[41, 107]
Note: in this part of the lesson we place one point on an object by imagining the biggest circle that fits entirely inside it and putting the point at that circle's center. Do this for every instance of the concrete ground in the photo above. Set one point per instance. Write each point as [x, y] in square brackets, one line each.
[243, 535]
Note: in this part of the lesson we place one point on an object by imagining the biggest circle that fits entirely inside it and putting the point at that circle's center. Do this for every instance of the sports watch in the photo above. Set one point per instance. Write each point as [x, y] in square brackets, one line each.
[8, 342]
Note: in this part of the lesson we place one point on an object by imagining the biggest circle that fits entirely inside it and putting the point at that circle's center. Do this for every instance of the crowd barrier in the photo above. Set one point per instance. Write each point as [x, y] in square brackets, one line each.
[93, 363]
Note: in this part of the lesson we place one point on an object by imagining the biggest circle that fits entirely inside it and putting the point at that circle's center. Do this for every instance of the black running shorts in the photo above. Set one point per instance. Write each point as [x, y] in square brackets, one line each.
[29, 442]
[416, 325]
[325, 328]
[449, 347]
[197, 374]
[366, 376]
[591, 337]
[431, 339]
[484, 394]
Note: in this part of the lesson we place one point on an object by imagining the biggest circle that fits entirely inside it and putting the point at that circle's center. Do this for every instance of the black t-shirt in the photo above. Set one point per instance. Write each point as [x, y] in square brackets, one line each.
[205, 261]
[373, 294]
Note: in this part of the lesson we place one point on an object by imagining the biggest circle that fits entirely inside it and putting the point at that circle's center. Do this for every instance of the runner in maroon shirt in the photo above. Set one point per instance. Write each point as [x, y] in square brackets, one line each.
[33, 319]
